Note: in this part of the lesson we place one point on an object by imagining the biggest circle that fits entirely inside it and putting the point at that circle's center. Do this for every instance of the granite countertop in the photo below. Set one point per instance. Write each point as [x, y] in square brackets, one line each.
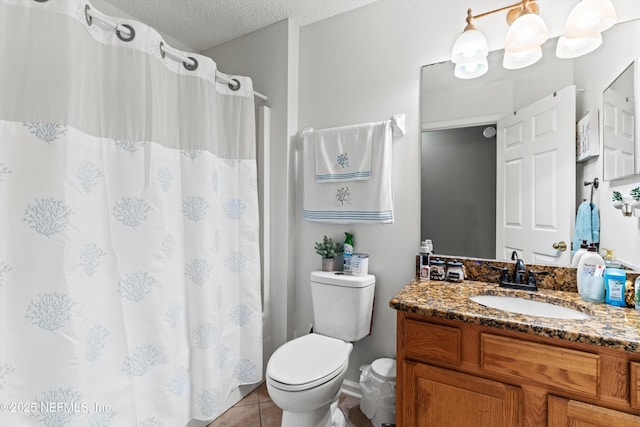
[607, 326]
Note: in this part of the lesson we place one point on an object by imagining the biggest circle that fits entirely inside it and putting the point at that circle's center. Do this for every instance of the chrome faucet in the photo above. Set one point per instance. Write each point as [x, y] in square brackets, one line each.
[519, 269]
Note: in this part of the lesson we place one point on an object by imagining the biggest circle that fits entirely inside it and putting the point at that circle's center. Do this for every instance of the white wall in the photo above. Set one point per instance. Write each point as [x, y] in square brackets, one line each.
[270, 57]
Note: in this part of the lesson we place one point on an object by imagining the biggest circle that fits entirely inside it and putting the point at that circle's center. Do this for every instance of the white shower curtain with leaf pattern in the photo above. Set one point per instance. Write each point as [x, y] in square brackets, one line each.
[129, 257]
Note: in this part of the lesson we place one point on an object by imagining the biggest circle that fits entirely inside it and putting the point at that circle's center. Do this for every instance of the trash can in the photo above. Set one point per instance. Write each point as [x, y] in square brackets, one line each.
[378, 386]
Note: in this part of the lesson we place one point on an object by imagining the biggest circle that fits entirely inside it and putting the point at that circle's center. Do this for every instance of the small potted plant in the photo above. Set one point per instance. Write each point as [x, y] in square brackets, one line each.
[328, 250]
[635, 195]
[616, 197]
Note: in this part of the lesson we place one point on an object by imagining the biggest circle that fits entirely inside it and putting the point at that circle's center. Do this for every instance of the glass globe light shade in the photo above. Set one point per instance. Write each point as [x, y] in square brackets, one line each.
[573, 47]
[516, 60]
[589, 17]
[471, 46]
[471, 70]
[526, 32]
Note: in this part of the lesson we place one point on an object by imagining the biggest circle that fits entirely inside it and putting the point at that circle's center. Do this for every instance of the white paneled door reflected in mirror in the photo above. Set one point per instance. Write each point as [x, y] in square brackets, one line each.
[618, 125]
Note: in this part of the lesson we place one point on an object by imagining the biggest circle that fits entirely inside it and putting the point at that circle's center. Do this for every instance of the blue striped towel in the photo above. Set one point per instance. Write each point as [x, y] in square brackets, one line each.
[351, 202]
[343, 153]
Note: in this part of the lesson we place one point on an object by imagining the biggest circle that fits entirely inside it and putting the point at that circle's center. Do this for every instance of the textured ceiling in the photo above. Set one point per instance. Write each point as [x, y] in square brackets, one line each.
[201, 24]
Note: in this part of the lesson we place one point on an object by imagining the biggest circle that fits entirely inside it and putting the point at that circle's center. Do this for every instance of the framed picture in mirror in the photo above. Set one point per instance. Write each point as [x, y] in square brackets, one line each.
[587, 143]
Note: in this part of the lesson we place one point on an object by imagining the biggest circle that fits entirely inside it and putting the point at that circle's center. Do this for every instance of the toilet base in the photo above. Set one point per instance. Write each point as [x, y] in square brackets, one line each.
[338, 419]
[326, 416]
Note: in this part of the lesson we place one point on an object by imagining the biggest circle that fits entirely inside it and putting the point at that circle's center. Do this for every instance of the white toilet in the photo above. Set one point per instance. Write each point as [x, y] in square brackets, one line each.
[304, 376]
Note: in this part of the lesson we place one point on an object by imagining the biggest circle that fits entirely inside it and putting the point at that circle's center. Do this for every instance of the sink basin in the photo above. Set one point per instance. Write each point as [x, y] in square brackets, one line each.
[529, 307]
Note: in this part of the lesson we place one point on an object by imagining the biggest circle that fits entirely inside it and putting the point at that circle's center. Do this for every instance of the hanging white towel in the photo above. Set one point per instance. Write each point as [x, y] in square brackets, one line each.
[343, 153]
[351, 202]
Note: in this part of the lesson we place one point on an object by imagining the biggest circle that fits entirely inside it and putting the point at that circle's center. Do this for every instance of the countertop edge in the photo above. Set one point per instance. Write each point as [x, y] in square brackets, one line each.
[608, 326]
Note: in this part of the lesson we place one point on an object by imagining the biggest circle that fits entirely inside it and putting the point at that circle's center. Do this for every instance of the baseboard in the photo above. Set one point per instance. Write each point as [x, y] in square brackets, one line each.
[351, 388]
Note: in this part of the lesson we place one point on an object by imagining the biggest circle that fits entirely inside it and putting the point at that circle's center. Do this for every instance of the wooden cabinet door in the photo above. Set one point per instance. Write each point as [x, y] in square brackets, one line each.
[442, 398]
[572, 413]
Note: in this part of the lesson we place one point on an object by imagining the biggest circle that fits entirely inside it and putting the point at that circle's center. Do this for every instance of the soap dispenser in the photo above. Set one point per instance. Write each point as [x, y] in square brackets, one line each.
[576, 256]
[588, 267]
[610, 259]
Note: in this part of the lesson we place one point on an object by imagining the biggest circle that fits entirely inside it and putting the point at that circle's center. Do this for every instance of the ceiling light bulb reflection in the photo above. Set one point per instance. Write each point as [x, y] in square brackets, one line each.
[471, 70]
[573, 47]
[575, 44]
[516, 60]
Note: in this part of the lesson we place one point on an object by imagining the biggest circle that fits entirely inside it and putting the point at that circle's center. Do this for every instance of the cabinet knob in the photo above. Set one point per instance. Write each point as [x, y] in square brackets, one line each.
[561, 246]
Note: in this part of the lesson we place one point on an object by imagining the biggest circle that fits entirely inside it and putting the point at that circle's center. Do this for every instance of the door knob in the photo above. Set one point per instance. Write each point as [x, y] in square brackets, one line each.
[561, 246]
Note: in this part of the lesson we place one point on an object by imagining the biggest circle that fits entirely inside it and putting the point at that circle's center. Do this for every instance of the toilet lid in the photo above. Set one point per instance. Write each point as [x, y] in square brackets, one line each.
[308, 361]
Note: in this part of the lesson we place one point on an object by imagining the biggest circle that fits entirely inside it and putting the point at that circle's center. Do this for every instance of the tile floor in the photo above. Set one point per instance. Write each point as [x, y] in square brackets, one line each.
[257, 410]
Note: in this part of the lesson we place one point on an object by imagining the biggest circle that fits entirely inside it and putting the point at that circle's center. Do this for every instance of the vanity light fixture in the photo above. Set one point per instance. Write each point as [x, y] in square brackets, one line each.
[470, 52]
[527, 33]
[585, 24]
[589, 17]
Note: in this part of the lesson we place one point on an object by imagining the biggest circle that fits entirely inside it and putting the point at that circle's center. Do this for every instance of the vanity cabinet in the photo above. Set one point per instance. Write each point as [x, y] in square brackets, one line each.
[447, 398]
[452, 373]
[567, 413]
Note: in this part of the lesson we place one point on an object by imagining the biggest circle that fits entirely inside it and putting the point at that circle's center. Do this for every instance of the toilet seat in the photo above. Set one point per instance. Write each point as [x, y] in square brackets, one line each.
[307, 362]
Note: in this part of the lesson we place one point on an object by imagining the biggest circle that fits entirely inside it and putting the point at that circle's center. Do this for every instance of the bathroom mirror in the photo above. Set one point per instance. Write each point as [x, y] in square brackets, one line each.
[448, 103]
[618, 126]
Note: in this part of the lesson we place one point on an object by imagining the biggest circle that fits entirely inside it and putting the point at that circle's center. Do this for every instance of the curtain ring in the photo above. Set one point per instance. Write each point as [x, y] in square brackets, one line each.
[162, 54]
[123, 37]
[236, 86]
[88, 17]
[193, 66]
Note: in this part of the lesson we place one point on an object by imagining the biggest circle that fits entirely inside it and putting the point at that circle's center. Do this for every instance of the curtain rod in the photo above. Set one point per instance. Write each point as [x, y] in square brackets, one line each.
[191, 63]
[127, 33]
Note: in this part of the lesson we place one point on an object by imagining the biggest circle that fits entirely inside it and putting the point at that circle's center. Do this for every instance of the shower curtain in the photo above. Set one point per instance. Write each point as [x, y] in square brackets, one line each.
[129, 258]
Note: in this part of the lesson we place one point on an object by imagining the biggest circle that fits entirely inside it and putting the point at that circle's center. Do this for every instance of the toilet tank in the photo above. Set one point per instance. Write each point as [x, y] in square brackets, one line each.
[342, 304]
